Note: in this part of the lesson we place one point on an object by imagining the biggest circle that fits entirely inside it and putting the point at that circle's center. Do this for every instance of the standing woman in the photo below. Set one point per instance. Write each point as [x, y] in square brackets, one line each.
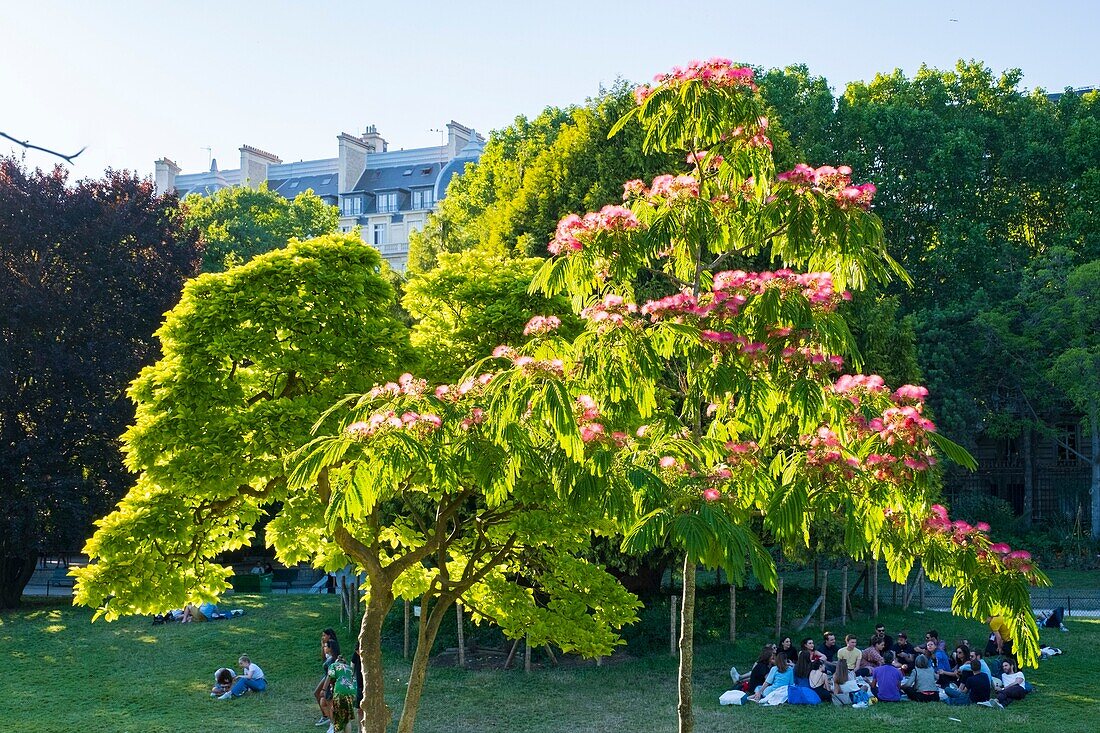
[330, 649]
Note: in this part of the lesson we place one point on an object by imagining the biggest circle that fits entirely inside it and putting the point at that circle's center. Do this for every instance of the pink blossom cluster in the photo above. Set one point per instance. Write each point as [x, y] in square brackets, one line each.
[715, 72]
[665, 187]
[741, 451]
[573, 230]
[811, 356]
[817, 287]
[829, 181]
[408, 420]
[856, 385]
[468, 388]
[477, 416]
[699, 158]
[679, 306]
[964, 534]
[406, 384]
[590, 428]
[611, 311]
[539, 325]
[529, 365]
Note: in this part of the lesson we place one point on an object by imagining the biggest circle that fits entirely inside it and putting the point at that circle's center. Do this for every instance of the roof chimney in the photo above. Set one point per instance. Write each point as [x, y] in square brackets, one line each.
[165, 177]
[254, 164]
[375, 142]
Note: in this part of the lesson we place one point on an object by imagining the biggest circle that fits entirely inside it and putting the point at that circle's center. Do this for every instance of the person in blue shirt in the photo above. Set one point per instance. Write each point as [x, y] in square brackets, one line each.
[938, 657]
[976, 665]
[781, 675]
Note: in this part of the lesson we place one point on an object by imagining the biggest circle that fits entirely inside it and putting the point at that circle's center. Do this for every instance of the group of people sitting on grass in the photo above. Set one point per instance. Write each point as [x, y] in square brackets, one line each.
[888, 669]
[340, 689]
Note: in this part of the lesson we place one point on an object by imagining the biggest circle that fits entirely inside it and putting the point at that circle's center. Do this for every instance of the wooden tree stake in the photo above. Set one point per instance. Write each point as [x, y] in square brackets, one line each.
[527, 654]
[511, 654]
[824, 596]
[461, 636]
[874, 580]
[844, 596]
[408, 612]
[733, 613]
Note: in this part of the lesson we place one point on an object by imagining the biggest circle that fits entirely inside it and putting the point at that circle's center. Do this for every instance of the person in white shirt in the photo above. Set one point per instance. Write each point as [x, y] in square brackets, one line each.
[1012, 681]
[250, 678]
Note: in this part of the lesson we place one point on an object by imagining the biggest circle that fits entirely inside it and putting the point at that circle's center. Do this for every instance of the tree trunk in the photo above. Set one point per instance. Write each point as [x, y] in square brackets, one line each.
[429, 628]
[15, 573]
[1029, 477]
[376, 713]
[1094, 489]
[687, 649]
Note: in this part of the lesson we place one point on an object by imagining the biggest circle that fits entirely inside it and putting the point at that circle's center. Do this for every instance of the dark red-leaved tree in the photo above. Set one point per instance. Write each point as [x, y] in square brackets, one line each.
[86, 272]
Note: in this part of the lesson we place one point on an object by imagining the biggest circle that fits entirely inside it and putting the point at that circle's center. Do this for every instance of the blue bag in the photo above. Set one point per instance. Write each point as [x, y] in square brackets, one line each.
[797, 695]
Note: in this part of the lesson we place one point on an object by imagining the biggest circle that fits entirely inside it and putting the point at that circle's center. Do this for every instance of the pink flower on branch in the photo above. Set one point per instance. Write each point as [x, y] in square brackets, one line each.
[539, 325]
[574, 231]
[716, 72]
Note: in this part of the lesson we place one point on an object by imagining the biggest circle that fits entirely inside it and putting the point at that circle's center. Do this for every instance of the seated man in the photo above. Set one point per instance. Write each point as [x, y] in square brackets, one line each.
[850, 654]
[976, 665]
[880, 630]
[974, 691]
[903, 649]
[886, 680]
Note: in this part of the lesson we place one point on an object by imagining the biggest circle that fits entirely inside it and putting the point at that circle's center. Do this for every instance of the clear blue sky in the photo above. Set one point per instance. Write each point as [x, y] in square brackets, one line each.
[135, 81]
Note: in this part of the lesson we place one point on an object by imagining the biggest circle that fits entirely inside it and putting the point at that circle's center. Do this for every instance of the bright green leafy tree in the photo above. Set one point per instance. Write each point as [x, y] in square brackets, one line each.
[469, 303]
[249, 358]
[238, 223]
[441, 496]
[727, 386]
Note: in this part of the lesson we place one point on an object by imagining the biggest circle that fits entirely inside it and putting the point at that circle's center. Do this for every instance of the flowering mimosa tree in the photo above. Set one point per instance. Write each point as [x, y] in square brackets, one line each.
[730, 395]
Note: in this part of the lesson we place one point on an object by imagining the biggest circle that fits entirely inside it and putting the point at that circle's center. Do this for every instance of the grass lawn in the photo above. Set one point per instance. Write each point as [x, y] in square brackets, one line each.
[63, 673]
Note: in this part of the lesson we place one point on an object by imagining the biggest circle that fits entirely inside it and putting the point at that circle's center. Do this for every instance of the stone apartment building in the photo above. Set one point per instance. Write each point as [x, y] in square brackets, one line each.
[386, 193]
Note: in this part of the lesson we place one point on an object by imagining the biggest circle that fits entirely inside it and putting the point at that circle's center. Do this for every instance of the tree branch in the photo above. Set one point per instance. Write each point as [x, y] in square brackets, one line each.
[26, 145]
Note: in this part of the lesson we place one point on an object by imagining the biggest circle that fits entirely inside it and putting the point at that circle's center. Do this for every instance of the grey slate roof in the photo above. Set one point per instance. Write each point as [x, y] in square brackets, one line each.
[323, 185]
[404, 177]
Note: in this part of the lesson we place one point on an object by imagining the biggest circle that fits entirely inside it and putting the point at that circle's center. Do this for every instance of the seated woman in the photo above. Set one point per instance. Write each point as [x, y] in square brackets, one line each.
[819, 680]
[802, 669]
[760, 670]
[223, 682]
[961, 657]
[781, 675]
[844, 683]
[808, 645]
[872, 656]
[920, 685]
[1012, 681]
[786, 648]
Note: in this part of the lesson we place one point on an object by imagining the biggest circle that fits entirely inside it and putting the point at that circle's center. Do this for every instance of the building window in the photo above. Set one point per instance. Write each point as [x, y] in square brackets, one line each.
[422, 199]
[1069, 446]
[379, 236]
[352, 206]
[387, 202]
